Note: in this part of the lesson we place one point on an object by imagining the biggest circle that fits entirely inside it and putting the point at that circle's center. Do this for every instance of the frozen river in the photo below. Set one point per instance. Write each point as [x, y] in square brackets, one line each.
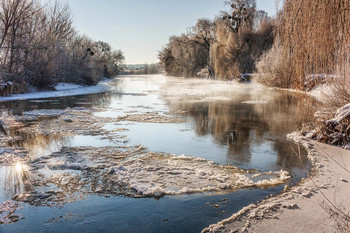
[156, 154]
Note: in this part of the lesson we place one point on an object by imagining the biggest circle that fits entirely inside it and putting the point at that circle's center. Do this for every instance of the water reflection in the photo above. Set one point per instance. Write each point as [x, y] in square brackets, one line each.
[253, 125]
[88, 101]
[40, 145]
[16, 179]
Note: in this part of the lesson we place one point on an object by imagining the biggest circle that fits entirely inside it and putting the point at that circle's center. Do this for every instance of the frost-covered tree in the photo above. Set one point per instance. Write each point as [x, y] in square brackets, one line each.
[39, 47]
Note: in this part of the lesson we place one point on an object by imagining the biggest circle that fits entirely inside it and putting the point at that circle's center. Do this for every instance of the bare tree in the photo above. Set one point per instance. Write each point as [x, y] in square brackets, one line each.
[242, 14]
[39, 47]
[203, 33]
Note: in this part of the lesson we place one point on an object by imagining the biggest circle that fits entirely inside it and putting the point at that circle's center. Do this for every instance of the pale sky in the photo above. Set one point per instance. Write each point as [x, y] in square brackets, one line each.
[141, 27]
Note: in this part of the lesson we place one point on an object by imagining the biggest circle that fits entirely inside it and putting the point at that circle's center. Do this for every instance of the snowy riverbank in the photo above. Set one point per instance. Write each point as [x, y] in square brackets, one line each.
[320, 203]
[63, 89]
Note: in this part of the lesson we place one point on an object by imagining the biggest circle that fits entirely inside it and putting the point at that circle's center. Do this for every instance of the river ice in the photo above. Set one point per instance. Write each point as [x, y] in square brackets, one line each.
[135, 172]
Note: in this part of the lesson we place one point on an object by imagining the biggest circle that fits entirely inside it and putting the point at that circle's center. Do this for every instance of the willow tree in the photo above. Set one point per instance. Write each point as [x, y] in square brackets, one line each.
[314, 38]
[242, 35]
[184, 56]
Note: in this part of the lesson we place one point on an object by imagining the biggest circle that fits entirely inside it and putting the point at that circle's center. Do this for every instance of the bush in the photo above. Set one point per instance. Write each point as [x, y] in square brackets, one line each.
[271, 68]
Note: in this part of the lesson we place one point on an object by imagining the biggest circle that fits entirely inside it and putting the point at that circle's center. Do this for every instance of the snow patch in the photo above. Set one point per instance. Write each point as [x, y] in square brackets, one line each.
[66, 86]
[341, 113]
[99, 88]
[254, 102]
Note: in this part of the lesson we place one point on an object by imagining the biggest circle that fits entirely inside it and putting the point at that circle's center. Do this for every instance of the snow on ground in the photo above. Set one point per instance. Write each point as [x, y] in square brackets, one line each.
[321, 92]
[67, 86]
[341, 114]
[63, 90]
[319, 204]
[254, 102]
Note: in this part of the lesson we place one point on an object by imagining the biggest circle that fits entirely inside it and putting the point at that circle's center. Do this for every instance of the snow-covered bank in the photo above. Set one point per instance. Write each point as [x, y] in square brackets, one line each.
[319, 204]
[62, 90]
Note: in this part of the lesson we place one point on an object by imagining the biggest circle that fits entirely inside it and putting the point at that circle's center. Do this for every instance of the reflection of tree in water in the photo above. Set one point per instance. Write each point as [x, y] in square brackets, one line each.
[40, 145]
[287, 155]
[88, 101]
[232, 124]
[237, 124]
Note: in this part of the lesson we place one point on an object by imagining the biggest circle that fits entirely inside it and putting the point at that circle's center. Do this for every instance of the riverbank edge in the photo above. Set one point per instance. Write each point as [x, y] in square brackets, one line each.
[317, 203]
[101, 87]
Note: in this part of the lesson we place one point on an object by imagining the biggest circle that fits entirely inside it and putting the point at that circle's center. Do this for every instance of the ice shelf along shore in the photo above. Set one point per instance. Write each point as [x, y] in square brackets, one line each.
[62, 90]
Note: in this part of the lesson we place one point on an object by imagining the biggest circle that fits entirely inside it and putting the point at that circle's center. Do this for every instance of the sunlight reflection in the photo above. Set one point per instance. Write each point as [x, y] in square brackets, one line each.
[19, 167]
[15, 179]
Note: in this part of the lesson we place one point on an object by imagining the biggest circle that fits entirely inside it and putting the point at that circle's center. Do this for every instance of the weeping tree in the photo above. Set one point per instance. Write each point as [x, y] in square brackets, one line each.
[313, 38]
[229, 45]
[183, 56]
[242, 35]
[187, 54]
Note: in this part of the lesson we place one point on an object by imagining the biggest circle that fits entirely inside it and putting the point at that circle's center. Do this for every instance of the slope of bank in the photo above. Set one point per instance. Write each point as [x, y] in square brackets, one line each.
[63, 90]
[320, 203]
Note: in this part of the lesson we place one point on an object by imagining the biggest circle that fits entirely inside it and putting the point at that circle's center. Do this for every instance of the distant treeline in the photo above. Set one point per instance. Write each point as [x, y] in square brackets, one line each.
[153, 68]
[306, 40]
[39, 47]
[225, 47]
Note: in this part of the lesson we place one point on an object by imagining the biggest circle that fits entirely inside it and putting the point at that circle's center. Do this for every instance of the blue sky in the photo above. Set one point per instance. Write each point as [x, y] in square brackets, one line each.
[141, 27]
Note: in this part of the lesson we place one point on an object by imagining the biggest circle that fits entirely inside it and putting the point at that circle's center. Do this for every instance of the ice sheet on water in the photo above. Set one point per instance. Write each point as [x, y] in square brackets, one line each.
[7, 212]
[99, 88]
[162, 174]
[66, 86]
[134, 172]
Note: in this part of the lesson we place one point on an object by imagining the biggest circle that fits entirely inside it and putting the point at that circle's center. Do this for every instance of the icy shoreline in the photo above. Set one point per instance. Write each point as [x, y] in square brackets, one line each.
[62, 90]
[317, 204]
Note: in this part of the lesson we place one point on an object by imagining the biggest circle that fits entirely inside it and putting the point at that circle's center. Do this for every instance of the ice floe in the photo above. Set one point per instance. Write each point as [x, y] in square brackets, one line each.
[151, 117]
[7, 212]
[162, 174]
[74, 173]
[66, 86]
